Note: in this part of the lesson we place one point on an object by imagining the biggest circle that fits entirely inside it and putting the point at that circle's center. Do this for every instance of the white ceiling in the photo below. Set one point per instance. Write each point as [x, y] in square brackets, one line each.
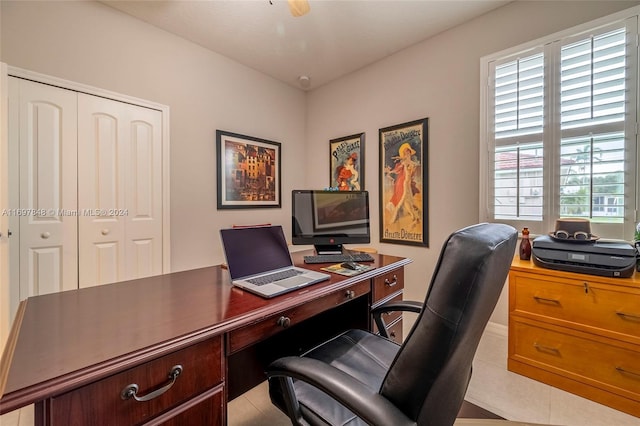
[335, 38]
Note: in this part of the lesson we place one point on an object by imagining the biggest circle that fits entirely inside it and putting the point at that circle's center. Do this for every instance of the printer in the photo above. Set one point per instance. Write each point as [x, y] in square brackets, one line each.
[604, 258]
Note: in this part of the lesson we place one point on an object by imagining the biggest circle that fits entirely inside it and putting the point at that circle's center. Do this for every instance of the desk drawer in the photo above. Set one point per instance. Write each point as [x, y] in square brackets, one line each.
[395, 331]
[208, 409]
[583, 304]
[245, 336]
[100, 403]
[388, 284]
[592, 360]
[389, 317]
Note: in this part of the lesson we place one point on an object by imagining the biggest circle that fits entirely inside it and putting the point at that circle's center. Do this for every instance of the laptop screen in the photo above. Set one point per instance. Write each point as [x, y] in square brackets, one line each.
[251, 251]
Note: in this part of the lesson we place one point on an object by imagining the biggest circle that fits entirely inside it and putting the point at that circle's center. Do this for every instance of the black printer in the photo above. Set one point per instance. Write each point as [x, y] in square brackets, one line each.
[604, 258]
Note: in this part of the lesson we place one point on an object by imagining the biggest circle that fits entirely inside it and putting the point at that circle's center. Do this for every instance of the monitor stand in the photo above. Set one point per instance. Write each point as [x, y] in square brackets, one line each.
[328, 248]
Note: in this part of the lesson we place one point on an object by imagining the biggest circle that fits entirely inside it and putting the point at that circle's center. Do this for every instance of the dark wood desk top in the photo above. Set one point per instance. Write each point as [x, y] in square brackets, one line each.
[63, 340]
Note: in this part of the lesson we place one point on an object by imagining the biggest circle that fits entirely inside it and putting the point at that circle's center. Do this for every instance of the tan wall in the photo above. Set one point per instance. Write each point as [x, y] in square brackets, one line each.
[93, 44]
[439, 79]
[96, 45]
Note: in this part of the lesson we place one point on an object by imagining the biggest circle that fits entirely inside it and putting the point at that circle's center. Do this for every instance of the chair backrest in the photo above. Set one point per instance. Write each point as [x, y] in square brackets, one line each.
[429, 377]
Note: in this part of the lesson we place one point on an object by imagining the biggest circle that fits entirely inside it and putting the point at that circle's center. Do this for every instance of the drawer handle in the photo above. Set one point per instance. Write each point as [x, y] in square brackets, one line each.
[284, 322]
[131, 390]
[546, 300]
[544, 348]
[350, 294]
[391, 283]
[631, 373]
[628, 315]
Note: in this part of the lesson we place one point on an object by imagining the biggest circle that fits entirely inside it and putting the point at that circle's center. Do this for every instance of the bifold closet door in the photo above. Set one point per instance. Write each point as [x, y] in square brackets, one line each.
[43, 144]
[119, 191]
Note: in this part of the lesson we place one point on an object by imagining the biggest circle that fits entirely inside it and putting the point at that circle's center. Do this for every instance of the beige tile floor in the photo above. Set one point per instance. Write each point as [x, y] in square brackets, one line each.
[251, 409]
[255, 409]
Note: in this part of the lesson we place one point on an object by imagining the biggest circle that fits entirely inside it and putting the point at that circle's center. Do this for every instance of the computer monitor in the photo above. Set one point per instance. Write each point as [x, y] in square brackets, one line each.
[329, 219]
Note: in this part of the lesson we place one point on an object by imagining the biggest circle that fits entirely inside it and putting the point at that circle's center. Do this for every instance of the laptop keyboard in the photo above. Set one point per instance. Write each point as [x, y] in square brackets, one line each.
[268, 279]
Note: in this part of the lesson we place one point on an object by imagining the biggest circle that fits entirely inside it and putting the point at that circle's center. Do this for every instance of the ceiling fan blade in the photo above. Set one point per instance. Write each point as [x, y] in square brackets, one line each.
[299, 7]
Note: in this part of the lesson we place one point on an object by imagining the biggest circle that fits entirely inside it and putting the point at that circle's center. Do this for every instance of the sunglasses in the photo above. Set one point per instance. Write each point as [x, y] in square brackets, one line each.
[578, 235]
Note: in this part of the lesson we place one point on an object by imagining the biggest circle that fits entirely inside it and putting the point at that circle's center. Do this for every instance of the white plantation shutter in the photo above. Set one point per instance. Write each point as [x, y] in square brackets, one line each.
[592, 83]
[519, 97]
[593, 94]
[561, 130]
[518, 126]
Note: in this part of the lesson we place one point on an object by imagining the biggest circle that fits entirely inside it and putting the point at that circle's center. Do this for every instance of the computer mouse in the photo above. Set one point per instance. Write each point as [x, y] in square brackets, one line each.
[350, 265]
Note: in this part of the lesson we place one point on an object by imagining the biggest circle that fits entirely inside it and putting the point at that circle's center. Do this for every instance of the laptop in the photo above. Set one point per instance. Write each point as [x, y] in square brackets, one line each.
[259, 261]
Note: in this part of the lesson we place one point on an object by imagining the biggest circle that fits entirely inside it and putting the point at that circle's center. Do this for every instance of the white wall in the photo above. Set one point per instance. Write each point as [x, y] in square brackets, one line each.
[438, 79]
[96, 45]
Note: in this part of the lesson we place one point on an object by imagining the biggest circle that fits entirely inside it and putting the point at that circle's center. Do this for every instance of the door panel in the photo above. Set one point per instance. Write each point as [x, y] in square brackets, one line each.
[44, 269]
[47, 138]
[100, 191]
[121, 185]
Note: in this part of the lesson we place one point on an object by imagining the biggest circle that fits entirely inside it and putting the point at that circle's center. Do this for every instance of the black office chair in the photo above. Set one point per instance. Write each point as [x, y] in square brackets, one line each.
[361, 378]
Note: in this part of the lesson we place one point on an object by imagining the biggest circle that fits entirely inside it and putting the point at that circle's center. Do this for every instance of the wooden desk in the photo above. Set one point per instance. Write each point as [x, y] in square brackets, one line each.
[73, 353]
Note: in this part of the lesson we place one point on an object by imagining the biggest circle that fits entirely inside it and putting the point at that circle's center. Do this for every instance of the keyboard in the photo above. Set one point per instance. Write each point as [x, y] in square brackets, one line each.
[277, 276]
[335, 258]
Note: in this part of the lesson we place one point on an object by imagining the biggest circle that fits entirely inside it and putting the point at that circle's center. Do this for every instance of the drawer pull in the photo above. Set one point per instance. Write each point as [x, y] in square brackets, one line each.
[631, 373]
[544, 348]
[628, 315]
[391, 283]
[131, 390]
[284, 322]
[546, 300]
[350, 294]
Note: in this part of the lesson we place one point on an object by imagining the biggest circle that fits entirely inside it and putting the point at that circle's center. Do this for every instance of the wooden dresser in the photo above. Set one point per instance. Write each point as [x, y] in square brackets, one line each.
[577, 332]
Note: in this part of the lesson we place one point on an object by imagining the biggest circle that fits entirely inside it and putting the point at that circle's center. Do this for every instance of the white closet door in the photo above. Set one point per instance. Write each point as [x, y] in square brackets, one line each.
[47, 138]
[119, 191]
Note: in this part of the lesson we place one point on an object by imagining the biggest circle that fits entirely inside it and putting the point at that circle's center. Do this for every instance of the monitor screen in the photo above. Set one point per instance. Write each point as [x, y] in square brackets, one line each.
[329, 219]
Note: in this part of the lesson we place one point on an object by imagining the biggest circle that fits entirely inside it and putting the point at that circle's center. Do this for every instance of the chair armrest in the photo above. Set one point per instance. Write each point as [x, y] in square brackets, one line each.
[370, 406]
[405, 305]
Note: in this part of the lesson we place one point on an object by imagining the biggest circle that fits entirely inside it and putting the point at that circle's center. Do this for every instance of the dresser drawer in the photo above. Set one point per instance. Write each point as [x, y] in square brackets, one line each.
[584, 304]
[595, 361]
[250, 334]
[101, 403]
[388, 284]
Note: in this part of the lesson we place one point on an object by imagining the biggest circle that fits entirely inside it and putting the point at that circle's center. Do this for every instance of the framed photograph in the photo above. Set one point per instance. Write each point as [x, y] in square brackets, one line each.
[403, 183]
[346, 163]
[248, 172]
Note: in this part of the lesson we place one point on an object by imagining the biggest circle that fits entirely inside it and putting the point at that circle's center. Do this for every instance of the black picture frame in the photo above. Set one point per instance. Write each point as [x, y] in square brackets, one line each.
[403, 183]
[346, 163]
[248, 172]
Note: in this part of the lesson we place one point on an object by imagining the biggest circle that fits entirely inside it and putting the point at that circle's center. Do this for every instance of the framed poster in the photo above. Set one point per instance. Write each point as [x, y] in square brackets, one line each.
[346, 159]
[248, 171]
[403, 183]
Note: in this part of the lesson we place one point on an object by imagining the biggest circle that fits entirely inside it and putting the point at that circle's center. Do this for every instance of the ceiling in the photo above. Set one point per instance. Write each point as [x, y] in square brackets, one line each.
[335, 38]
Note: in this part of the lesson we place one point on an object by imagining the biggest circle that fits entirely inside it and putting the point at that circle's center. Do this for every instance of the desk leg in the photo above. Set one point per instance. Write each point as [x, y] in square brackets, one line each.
[41, 413]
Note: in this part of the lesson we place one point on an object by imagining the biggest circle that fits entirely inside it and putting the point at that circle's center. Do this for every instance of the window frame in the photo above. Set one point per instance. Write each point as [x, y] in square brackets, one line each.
[551, 134]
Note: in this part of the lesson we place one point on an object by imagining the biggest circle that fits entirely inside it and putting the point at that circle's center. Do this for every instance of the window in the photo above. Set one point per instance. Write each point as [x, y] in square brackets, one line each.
[560, 130]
